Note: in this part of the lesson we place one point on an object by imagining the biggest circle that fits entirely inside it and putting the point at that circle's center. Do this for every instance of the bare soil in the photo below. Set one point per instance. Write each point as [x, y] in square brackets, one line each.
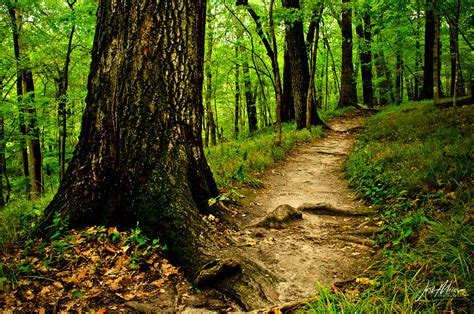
[324, 247]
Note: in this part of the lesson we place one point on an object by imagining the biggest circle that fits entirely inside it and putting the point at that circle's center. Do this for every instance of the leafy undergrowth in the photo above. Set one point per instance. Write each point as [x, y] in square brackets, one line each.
[414, 164]
[241, 160]
[94, 269]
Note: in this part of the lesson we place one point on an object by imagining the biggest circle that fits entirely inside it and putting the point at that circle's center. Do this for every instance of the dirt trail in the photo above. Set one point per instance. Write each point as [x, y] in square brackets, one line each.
[319, 249]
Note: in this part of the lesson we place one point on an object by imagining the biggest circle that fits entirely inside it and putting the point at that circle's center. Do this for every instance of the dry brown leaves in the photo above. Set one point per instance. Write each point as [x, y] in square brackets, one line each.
[93, 269]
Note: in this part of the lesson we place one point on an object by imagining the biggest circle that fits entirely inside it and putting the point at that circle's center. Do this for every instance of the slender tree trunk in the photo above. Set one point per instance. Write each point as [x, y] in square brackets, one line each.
[333, 64]
[210, 125]
[385, 82]
[14, 18]
[398, 79]
[436, 62]
[250, 97]
[3, 164]
[457, 81]
[276, 73]
[63, 84]
[310, 99]
[237, 94]
[365, 51]
[327, 81]
[269, 50]
[427, 91]
[409, 88]
[2, 157]
[348, 89]
[417, 71]
[33, 132]
[140, 156]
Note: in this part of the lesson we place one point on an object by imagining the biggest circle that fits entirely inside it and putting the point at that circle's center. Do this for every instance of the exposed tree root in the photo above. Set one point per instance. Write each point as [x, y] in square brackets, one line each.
[330, 153]
[216, 270]
[251, 286]
[328, 209]
[280, 216]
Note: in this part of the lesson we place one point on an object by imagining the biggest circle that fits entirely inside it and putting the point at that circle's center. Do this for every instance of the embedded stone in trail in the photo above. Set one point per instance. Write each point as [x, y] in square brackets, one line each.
[280, 216]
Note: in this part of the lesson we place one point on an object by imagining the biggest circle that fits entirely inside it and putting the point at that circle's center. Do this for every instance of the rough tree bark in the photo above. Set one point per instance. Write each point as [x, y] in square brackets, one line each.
[427, 89]
[348, 89]
[287, 104]
[140, 155]
[298, 76]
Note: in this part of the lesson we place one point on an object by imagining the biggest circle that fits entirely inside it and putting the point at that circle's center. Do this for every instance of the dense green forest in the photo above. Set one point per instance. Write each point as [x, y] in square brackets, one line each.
[150, 115]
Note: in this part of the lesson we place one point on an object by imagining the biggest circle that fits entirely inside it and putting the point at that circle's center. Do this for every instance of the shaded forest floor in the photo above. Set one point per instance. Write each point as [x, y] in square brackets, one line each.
[103, 269]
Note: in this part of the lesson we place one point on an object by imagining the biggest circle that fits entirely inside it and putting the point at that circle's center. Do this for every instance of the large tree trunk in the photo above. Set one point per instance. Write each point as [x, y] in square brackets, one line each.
[140, 155]
[298, 78]
[427, 90]
[365, 50]
[287, 103]
[348, 89]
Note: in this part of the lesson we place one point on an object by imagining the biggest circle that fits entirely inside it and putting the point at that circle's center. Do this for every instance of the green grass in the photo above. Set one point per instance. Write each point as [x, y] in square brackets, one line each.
[326, 115]
[18, 219]
[241, 160]
[414, 164]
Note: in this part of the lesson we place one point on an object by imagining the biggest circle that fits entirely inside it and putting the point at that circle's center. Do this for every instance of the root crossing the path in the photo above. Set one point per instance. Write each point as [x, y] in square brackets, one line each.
[330, 243]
